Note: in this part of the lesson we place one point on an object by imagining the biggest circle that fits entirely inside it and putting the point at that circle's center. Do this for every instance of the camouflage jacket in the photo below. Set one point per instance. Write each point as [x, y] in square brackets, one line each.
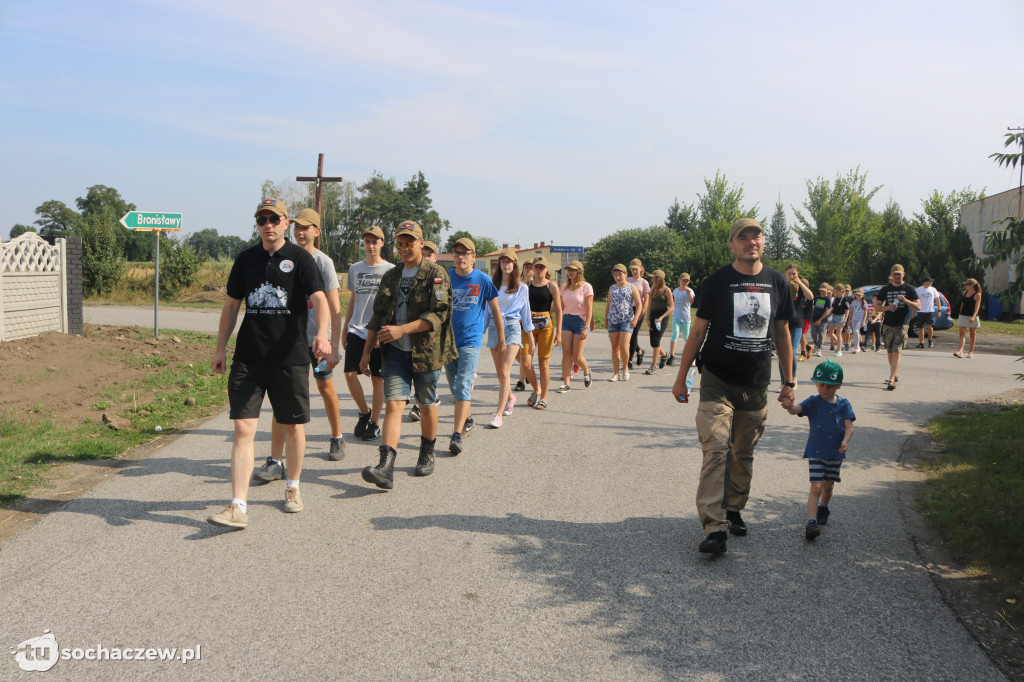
[430, 299]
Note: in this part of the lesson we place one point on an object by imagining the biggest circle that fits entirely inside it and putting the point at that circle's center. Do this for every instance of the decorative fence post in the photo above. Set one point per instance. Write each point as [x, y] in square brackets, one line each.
[33, 287]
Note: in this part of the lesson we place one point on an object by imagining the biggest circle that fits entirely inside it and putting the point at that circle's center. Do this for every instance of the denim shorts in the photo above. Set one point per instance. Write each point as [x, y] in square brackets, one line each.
[401, 382]
[836, 320]
[573, 323]
[620, 327]
[513, 333]
[460, 372]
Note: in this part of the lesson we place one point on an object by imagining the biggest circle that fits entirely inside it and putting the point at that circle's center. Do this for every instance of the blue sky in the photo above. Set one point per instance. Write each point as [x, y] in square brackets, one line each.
[555, 121]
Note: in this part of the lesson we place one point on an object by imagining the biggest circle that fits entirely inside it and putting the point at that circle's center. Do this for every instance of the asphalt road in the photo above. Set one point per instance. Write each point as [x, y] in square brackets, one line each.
[560, 546]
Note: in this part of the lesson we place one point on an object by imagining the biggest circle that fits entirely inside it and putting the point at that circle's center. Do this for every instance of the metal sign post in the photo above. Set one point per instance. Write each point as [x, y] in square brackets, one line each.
[142, 221]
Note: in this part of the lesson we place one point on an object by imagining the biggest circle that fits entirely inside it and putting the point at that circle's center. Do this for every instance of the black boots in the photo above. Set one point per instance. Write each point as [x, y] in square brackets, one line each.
[383, 475]
[425, 464]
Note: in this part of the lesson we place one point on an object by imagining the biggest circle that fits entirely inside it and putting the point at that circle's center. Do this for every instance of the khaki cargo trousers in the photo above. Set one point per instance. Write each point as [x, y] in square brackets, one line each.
[730, 421]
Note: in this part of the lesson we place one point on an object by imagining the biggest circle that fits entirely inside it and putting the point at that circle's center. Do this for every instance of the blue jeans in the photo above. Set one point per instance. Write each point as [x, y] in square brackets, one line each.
[400, 381]
[460, 372]
[794, 334]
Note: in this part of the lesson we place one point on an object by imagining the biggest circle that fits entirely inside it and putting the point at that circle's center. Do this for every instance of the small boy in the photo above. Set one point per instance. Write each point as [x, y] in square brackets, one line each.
[831, 419]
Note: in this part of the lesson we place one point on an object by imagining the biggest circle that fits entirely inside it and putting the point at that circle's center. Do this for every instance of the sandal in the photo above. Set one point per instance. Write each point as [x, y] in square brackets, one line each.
[970, 355]
[520, 386]
[532, 400]
[541, 405]
[957, 355]
[890, 385]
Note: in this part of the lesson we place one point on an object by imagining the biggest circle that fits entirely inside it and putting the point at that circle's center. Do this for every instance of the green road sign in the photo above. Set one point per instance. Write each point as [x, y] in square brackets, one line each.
[144, 221]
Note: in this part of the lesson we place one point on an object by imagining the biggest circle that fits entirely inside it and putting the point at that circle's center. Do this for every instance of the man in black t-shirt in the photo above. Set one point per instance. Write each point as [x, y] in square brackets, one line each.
[896, 300]
[275, 278]
[742, 306]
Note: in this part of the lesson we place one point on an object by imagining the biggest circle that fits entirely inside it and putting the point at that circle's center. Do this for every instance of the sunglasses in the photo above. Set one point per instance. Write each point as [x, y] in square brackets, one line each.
[461, 254]
[273, 220]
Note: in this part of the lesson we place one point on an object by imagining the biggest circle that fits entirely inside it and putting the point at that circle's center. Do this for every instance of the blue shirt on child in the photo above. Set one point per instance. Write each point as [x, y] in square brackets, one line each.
[828, 426]
[470, 296]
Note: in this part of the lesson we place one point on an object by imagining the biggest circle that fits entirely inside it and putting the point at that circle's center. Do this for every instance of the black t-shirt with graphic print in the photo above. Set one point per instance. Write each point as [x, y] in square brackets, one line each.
[274, 289]
[889, 294]
[741, 310]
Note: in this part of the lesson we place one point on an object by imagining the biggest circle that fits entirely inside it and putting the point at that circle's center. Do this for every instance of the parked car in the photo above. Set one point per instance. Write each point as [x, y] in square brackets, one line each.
[943, 317]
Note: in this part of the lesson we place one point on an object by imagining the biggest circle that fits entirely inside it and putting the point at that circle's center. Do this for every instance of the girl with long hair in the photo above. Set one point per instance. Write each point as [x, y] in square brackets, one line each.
[638, 280]
[682, 298]
[621, 316]
[967, 320]
[662, 305]
[577, 312]
[514, 304]
[546, 311]
[800, 293]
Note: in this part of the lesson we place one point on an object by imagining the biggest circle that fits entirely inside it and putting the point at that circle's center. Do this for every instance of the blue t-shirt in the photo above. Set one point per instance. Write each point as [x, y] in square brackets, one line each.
[470, 297]
[828, 426]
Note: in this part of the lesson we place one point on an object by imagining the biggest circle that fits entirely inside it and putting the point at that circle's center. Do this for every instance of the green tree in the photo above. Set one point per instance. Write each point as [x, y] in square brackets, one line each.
[102, 258]
[179, 265]
[20, 229]
[832, 232]
[944, 246]
[682, 219]
[778, 244]
[657, 246]
[56, 219]
[707, 245]
[483, 244]
[1008, 243]
[100, 200]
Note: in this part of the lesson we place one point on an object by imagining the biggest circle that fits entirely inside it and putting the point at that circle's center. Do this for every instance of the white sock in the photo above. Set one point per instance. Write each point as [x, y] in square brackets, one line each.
[291, 484]
[275, 461]
[239, 503]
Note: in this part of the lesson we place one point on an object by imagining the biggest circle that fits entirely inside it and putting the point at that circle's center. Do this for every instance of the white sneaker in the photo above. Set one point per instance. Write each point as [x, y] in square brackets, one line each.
[564, 388]
[614, 378]
[625, 377]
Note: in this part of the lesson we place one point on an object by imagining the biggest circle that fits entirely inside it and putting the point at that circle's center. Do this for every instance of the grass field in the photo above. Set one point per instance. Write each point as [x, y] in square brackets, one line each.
[975, 490]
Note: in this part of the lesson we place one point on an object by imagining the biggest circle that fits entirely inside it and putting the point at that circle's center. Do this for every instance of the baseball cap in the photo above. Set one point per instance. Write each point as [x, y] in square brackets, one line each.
[620, 267]
[828, 373]
[275, 205]
[928, 279]
[431, 245]
[465, 243]
[743, 224]
[375, 231]
[510, 253]
[896, 268]
[685, 276]
[308, 216]
[658, 273]
[540, 260]
[409, 227]
[635, 263]
[576, 265]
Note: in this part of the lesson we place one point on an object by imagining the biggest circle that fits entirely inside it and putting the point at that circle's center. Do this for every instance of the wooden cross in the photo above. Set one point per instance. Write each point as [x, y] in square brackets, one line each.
[319, 180]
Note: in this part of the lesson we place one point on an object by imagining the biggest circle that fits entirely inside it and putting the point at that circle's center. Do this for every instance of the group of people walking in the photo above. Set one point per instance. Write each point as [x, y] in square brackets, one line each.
[406, 322]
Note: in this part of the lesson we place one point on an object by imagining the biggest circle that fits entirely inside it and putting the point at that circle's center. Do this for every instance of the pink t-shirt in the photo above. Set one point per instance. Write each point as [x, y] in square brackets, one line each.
[574, 301]
[642, 286]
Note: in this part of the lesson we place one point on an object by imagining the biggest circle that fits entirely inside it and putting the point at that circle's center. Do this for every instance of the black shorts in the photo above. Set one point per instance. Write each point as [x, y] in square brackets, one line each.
[287, 386]
[924, 319]
[656, 333]
[354, 345]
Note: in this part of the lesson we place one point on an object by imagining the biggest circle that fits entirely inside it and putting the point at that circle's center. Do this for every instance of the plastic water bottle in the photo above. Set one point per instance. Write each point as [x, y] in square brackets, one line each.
[321, 367]
[657, 325]
[690, 376]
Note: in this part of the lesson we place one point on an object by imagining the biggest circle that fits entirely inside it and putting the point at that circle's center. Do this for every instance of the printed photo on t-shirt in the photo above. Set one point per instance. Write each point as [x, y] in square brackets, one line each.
[750, 309]
[267, 296]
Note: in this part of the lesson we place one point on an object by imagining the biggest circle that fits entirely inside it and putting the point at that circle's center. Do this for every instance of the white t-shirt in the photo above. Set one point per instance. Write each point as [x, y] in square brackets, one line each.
[363, 282]
[682, 304]
[330, 276]
[927, 296]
